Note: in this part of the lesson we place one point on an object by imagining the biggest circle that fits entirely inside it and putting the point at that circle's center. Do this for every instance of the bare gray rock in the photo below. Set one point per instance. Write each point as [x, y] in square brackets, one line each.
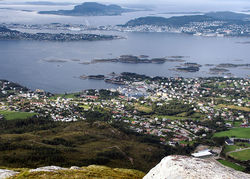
[75, 168]
[183, 167]
[47, 169]
[7, 173]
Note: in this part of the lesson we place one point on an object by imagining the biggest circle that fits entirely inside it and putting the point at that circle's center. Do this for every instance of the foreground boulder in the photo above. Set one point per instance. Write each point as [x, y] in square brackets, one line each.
[7, 173]
[47, 169]
[183, 167]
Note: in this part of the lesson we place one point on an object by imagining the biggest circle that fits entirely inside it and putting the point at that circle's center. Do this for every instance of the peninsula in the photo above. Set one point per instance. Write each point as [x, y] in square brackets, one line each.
[8, 34]
[210, 24]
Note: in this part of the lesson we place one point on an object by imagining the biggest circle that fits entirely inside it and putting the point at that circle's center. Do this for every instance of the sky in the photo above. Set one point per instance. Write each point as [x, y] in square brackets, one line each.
[148, 1]
[195, 4]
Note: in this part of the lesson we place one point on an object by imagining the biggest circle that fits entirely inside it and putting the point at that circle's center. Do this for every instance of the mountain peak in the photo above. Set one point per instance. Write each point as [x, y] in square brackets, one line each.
[90, 9]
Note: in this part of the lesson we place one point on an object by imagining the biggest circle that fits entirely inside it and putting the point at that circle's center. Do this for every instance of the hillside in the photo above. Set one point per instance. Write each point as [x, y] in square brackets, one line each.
[4, 29]
[90, 9]
[227, 16]
[39, 142]
[173, 21]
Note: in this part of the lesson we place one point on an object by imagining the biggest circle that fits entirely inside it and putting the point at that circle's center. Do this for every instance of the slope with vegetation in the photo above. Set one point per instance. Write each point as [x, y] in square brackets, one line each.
[39, 142]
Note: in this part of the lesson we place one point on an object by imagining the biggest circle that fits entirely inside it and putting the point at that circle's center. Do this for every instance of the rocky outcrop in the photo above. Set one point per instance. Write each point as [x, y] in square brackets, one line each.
[183, 167]
[89, 172]
[47, 169]
[7, 173]
[171, 167]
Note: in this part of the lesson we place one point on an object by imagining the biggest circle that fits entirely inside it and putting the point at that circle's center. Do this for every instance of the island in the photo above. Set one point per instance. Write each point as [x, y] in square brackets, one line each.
[190, 64]
[90, 9]
[8, 34]
[230, 65]
[137, 60]
[55, 60]
[188, 69]
[209, 65]
[118, 79]
[218, 70]
[96, 77]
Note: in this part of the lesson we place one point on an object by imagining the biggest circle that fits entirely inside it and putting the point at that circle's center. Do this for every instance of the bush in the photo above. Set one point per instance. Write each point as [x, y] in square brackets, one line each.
[219, 141]
[58, 141]
[112, 154]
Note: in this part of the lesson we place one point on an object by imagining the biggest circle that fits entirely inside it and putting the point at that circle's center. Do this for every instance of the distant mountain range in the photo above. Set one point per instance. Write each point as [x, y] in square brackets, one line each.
[90, 9]
[183, 20]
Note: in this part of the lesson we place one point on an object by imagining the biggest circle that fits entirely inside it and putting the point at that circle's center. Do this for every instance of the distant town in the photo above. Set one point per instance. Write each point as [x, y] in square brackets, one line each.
[179, 111]
[211, 24]
[209, 29]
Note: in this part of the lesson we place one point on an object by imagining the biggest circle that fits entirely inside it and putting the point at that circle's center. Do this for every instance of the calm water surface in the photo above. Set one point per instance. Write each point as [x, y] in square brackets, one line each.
[22, 61]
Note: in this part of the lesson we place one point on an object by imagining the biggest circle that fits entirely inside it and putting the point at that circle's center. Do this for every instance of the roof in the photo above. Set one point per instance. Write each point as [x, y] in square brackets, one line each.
[202, 153]
[228, 141]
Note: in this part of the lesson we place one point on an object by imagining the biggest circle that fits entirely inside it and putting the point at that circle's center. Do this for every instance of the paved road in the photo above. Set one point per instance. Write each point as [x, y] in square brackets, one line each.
[237, 150]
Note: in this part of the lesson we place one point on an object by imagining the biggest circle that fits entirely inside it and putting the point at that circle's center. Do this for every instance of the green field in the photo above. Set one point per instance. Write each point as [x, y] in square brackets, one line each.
[235, 123]
[230, 148]
[143, 108]
[242, 155]
[171, 117]
[231, 165]
[247, 109]
[235, 132]
[187, 142]
[12, 115]
[85, 107]
[70, 95]
[175, 117]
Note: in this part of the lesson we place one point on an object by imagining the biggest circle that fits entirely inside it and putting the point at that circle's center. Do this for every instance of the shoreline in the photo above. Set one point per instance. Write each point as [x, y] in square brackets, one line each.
[118, 85]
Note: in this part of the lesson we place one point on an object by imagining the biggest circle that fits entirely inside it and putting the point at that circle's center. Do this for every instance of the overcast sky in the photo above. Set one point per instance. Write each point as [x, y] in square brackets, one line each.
[147, 1]
[167, 4]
